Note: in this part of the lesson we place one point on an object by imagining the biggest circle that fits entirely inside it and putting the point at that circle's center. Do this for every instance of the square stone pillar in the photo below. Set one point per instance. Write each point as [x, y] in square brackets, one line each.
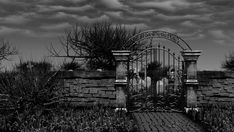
[190, 76]
[121, 80]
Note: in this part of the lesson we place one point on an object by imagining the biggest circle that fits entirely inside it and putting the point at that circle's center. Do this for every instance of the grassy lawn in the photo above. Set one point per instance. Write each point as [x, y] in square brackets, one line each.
[96, 119]
[215, 117]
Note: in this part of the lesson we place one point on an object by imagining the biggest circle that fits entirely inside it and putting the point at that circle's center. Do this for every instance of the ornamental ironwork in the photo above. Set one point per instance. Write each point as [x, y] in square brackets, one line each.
[159, 34]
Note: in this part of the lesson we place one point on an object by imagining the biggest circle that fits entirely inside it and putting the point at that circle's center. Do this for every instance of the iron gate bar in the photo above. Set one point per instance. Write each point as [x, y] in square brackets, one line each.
[156, 48]
[146, 69]
[159, 52]
[141, 68]
[137, 70]
[156, 55]
[168, 56]
[174, 60]
[164, 62]
[164, 56]
[132, 74]
[151, 51]
[178, 63]
[174, 67]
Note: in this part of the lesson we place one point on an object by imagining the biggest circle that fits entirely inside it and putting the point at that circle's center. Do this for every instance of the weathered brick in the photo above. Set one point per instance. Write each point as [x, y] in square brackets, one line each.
[209, 93]
[73, 90]
[109, 92]
[88, 95]
[101, 92]
[103, 96]
[111, 88]
[106, 103]
[81, 95]
[225, 82]
[78, 103]
[87, 88]
[66, 84]
[79, 90]
[91, 99]
[96, 95]
[111, 96]
[86, 91]
[77, 99]
[93, 90]
[224, 94]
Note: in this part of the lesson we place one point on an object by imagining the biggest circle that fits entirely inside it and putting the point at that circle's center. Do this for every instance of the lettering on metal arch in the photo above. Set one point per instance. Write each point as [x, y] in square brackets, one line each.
[156, 34]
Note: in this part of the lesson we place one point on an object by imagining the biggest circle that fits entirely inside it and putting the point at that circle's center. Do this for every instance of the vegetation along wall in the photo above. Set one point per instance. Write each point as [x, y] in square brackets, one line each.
[88, 88]
[215, 87]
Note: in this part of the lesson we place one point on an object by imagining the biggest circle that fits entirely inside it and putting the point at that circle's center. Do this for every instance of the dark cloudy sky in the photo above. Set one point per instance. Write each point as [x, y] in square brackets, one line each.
[208, 25]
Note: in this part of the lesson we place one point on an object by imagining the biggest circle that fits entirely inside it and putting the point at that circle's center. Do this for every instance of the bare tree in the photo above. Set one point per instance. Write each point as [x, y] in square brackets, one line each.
[6, 50]
[228, 64]
[94, 43]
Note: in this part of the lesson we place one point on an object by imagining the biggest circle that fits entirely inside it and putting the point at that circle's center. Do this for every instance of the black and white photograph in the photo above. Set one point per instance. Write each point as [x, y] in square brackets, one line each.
[116, 66]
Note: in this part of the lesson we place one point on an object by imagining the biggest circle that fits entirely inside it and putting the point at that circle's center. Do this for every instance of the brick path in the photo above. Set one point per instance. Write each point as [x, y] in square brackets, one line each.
[165, 122]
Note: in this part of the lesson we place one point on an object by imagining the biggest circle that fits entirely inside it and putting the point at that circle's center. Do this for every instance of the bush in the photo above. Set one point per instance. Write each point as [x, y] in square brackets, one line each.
[97, 119]
[216, 117]
[6, 50]
[37, 67]
[70, 66]
[29, 88]
[156, 71]
[228, 64]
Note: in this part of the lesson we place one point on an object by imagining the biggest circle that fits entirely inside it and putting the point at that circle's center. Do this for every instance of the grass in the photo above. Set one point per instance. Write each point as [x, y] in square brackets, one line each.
[96, 119]
[215, 117]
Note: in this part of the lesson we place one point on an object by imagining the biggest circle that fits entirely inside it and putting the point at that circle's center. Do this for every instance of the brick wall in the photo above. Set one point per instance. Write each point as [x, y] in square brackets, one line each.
[87, 88]
[215, 87]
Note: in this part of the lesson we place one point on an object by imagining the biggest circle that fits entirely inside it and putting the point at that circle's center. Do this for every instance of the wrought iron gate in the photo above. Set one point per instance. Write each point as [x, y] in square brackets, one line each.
[155, 78]
[155, 73]
[166, 61]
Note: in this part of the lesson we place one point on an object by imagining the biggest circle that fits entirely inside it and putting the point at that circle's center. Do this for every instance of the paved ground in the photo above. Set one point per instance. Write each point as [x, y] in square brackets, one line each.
[165, 122]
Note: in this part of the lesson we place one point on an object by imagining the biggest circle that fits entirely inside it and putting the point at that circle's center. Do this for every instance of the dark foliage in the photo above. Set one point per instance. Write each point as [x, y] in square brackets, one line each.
[156, 71]
[71, 66]
[6, 50]
[215, 117]
[97, 119]
[228, 64]
[32, 66]
[95, 43]
[29, 88]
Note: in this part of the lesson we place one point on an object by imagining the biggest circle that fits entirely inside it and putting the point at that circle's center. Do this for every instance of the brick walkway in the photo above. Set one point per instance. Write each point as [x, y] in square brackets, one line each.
[165, 122]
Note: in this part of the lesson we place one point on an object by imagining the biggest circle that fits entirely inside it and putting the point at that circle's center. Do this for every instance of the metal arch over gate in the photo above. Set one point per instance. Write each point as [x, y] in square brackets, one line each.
[158, 34]
[155, 72]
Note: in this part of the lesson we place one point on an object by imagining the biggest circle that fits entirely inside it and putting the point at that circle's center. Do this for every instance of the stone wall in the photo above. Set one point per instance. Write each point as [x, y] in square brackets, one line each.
[215, 87]
[88, 88]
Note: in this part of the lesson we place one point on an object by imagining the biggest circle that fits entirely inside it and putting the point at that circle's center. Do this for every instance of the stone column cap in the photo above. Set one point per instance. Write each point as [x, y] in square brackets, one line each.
[191, 82]
[121, 52]
[121, 82]
[121, 55]
[191, 52]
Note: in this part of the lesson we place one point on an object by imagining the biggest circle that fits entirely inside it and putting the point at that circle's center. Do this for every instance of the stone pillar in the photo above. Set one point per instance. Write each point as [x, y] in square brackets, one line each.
[121, 80]
[190, 76]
